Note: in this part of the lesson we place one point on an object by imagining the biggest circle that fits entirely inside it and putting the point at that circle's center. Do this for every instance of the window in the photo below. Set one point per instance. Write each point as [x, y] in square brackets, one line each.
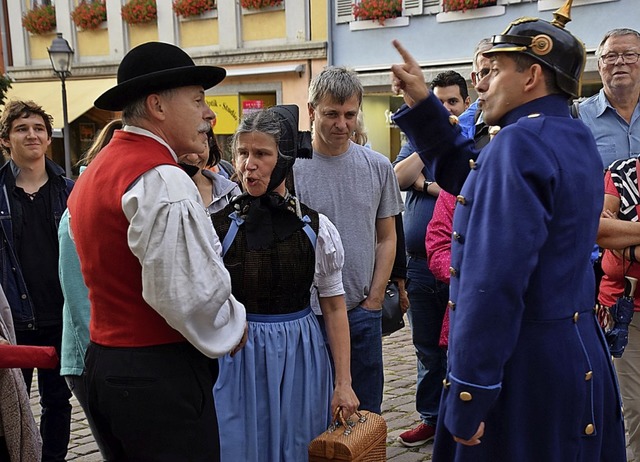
[344, 8]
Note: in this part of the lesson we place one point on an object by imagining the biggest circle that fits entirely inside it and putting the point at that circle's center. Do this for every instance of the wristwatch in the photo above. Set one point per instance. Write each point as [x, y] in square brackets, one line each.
[426, 185]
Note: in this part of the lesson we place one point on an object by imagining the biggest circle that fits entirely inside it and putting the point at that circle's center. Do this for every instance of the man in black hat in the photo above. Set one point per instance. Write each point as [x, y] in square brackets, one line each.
[160, 296]
[529, 377]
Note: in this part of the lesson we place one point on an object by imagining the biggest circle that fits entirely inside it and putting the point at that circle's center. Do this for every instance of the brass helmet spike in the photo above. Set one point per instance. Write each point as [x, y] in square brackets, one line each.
[562, 15]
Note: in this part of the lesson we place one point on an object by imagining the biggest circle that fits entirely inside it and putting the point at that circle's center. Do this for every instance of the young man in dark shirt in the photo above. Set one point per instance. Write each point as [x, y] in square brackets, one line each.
[33, 197]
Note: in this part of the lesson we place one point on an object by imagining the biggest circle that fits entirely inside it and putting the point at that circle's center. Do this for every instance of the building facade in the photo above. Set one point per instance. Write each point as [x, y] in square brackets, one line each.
[441, 40]
[270, 54]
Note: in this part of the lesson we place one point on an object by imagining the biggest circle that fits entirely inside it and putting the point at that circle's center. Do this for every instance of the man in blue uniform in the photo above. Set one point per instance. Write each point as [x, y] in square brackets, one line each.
[529, 376]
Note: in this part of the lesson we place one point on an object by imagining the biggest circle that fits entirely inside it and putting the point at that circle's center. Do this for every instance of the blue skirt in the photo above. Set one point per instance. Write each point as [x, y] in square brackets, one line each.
[273, 397]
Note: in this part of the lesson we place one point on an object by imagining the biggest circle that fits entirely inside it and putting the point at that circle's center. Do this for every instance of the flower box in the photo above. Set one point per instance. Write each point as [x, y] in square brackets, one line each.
[464, 5]
[189, 8]
[259, 4]
[377, 10]
[40, 20]
[89, 16]
[139, 11]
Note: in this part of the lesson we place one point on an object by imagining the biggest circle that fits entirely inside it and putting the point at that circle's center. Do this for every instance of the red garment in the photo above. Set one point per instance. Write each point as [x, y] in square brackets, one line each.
[438, 238]
[612, 283]
[438, 245]
[119, 315]
[28, 356]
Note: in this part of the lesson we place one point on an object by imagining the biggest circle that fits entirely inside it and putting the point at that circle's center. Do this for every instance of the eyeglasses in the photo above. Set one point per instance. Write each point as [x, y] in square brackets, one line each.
[628, 57]
[476, 77]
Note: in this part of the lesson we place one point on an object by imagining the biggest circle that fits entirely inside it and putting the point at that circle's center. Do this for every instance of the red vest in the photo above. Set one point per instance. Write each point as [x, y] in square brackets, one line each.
[119, 315]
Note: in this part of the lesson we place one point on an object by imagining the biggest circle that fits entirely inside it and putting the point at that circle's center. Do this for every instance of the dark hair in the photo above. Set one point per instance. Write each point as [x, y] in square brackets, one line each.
[450, 78]
[21, 109]
[214, 149]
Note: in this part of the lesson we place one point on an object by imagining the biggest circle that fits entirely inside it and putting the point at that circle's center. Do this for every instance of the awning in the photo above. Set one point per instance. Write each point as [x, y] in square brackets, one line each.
[80, 96]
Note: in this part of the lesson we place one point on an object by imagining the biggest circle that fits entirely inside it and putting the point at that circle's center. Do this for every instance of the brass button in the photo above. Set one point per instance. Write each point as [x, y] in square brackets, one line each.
[458, 237]
[588, 376]
[452, 271]
[472, 164]
[461, 199]
[466, 396]
[451, 305]
[453, 120]
[589, 429]
[445, 384]
[576, 315]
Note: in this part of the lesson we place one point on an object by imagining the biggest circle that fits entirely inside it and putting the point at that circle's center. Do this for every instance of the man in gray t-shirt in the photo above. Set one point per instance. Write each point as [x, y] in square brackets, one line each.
[357, 190]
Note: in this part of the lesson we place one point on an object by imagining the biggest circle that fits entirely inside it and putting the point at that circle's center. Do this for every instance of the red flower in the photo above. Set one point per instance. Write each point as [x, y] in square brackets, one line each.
[139, 11]
[377, 10]
[89, 16]
[258, 4]
[40, 20]
[464, 5]
[186, 8]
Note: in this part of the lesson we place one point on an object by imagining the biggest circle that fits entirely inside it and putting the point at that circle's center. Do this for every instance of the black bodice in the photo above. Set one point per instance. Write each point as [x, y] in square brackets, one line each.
[276, 280]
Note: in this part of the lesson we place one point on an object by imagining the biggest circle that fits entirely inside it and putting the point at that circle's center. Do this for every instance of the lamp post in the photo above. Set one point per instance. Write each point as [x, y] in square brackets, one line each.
[61, 54]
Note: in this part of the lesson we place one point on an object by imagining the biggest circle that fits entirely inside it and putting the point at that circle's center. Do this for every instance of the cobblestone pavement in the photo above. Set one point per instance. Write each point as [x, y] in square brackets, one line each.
[398, 407]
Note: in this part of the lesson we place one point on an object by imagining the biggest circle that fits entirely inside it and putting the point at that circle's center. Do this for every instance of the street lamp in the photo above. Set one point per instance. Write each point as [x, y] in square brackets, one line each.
[61, 54]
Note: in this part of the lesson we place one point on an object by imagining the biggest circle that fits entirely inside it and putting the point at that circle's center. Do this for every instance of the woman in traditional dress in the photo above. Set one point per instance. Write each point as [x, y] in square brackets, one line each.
[277, 394]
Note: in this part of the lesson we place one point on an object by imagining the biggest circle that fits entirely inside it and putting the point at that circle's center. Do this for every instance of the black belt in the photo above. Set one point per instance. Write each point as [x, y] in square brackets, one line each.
[416, 256]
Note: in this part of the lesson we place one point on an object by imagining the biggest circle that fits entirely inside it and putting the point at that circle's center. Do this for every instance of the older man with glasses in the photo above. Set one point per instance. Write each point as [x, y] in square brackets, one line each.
[613, 115]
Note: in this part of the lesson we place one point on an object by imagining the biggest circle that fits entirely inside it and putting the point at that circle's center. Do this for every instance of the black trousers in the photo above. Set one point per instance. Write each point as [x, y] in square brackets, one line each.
[153, 403]
[55, 421]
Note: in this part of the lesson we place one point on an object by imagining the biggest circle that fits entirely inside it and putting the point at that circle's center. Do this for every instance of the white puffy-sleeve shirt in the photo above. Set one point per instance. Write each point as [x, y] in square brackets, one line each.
[327, 281]
[183, 275]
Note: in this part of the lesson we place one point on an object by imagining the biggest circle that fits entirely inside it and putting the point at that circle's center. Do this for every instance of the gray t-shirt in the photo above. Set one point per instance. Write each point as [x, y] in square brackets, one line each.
[352, 190]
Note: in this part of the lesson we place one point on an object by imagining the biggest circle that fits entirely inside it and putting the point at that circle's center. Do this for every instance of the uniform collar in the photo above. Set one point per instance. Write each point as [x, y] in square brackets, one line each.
[550, 105]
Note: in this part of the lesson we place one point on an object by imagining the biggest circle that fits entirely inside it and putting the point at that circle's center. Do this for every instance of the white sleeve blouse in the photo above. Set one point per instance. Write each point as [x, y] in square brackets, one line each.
[327, 281]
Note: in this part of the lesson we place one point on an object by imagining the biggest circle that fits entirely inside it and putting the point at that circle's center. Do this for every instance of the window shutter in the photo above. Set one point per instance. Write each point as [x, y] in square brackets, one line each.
[344, 11]
[412, 7]
[433, 4]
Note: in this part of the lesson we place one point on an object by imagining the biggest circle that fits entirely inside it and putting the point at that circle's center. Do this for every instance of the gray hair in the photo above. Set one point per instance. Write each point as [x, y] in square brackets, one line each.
[136, 110]
[263, 121]
[337, 83]
[615, 33]
[482, 46]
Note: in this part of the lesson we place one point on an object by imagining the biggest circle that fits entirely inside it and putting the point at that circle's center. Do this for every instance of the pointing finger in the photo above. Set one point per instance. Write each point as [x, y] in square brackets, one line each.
[406, 56]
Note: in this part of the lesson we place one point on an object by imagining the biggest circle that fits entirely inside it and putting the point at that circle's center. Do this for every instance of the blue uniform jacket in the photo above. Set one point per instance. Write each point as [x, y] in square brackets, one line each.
[13, 283]
[526, 355]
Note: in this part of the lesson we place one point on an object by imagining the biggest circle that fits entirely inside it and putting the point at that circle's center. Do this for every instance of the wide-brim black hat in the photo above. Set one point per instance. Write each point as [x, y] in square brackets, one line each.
[153, 67]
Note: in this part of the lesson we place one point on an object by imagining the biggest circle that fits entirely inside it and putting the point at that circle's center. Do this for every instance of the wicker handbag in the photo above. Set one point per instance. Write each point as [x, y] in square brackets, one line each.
[361, 438]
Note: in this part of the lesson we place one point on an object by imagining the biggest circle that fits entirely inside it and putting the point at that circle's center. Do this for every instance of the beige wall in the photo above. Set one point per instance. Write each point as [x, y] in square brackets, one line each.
[319, 20]
[264, 26]
[38, 45]
[200, 32]
[93, 42]
[142, 33]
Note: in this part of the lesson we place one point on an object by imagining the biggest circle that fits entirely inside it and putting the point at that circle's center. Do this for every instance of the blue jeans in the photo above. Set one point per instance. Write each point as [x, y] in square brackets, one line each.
[428, 298]
[367, 369]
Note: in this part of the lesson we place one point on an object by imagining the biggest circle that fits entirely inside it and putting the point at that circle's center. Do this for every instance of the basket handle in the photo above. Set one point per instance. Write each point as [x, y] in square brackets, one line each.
[338, 420]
